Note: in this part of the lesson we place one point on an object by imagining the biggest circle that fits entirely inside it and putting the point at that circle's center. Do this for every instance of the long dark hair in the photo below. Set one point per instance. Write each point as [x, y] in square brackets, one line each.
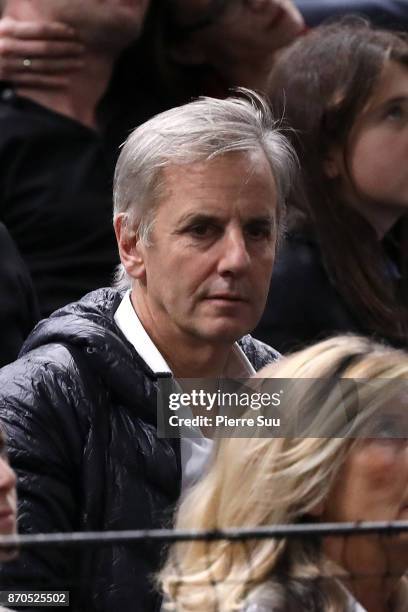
[320, 85]
[151, 59]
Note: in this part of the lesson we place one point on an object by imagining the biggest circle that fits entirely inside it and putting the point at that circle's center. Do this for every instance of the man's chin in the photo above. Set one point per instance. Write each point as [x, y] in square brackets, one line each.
[226, 330]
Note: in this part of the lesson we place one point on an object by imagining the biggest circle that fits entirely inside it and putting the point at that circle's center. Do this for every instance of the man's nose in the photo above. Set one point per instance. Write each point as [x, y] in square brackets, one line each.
[234, 257]
[7, 475]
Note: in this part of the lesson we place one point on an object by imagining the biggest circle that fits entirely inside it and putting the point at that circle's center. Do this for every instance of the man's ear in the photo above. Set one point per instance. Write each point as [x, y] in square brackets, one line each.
[131, 250]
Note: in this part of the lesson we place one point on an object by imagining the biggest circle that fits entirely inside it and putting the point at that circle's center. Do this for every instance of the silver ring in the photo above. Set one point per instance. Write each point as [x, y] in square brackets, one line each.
[27, 63]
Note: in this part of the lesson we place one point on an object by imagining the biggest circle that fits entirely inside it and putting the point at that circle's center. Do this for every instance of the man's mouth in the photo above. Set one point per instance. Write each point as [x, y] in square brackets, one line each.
[227, 297]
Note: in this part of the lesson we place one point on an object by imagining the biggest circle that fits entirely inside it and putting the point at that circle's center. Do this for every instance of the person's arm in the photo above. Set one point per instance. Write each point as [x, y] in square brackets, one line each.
[34, 54]
[38, 409]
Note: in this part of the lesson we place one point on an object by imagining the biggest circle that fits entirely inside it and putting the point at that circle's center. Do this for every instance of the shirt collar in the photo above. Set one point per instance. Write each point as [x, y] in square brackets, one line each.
[238, 365]
[130, 325]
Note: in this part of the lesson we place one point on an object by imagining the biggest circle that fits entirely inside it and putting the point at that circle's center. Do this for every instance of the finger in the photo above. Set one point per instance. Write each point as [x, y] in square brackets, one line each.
[33, 30]
[39, 81]
[18, 48]
[12, 66]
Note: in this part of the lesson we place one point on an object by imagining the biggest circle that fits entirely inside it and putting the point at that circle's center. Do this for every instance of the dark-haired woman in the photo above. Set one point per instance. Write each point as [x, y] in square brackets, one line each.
[344, 91]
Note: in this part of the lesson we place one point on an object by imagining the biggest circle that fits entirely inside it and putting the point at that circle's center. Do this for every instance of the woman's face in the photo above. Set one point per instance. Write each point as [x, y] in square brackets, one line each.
[373, 167]
[372, 486]
[244, 36]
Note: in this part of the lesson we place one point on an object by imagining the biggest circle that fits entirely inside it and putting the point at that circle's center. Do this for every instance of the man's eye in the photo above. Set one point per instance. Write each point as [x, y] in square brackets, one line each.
[201, 230]
[258, 231]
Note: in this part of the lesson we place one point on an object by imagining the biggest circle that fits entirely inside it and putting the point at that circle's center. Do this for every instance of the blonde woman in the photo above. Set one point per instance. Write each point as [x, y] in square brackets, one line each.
[263, 481]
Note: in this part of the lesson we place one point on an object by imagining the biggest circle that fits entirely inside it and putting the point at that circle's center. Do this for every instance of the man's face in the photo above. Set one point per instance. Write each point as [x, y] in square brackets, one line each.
[207, 270]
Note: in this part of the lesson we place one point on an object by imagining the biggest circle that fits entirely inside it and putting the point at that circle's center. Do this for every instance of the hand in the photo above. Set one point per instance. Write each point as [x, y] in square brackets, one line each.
[34, 54]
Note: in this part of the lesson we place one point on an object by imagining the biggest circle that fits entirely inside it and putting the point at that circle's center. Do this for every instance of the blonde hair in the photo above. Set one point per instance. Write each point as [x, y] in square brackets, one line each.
[263, 481]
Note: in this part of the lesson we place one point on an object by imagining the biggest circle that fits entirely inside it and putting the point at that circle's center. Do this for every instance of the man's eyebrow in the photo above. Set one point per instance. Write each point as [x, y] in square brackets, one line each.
[266, 219]
[194, 217]
[198, 218]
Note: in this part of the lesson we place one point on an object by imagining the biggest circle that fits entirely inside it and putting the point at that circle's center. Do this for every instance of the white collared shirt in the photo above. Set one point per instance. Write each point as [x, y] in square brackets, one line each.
[195, 451]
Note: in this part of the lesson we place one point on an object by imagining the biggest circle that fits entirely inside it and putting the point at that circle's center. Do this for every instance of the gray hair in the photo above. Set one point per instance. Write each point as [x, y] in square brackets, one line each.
[198, 131]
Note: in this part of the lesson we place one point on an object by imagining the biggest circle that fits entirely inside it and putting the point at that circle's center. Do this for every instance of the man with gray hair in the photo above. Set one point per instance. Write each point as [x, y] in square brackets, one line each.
[199, 193]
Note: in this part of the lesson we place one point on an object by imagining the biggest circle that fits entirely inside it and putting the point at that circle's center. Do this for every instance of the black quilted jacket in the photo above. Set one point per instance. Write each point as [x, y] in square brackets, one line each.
[79, 407]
